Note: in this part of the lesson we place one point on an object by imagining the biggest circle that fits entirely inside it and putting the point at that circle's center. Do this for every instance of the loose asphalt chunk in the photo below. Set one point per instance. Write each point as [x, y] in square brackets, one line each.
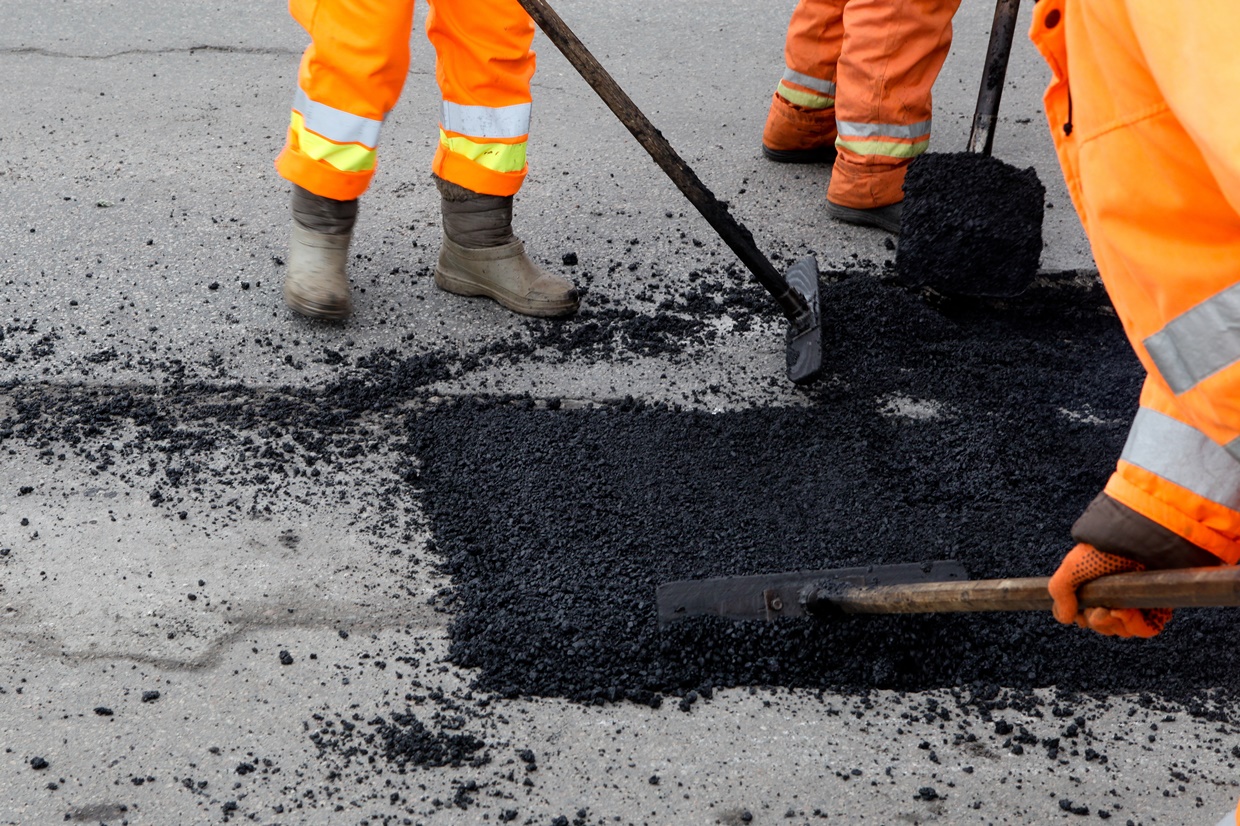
[972, 225]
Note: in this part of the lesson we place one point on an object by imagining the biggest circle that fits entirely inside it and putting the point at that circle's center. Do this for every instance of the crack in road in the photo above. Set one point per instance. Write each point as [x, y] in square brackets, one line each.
[414, 613]
[254, 50]
[40, 51]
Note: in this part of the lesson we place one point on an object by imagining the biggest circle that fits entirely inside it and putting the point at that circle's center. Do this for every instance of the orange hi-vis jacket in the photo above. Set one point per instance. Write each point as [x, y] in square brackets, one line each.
[353, 72]
[1140, 109]
[859, 72]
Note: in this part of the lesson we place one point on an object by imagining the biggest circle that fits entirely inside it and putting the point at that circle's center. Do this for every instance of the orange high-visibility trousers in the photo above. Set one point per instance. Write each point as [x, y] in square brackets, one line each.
[1150, 150]
[355, 67]
[859, 72]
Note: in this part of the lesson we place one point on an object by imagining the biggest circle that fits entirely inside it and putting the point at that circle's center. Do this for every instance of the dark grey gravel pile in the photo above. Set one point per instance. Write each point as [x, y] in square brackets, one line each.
[971, 225]
[557, 525]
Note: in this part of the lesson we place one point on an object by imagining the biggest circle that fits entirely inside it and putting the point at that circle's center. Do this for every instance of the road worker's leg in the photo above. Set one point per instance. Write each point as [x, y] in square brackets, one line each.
[484, 65]
[350, 78]
[892, 53]
[800, 125]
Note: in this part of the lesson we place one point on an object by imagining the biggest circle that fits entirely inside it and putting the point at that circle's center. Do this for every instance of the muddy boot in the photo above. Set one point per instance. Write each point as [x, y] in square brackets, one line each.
[481, 256]
[316, 284]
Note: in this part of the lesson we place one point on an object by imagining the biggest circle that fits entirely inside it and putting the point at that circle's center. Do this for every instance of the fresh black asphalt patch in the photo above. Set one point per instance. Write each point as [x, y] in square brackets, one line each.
[970, 432]
[943, 429]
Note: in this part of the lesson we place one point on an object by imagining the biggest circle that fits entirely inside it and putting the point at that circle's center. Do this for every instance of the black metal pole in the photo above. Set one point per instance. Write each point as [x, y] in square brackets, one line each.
[729, 229]
[1002, 33]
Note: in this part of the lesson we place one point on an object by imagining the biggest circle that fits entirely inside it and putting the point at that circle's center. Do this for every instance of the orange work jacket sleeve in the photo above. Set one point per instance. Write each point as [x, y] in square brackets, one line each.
[1140, 111]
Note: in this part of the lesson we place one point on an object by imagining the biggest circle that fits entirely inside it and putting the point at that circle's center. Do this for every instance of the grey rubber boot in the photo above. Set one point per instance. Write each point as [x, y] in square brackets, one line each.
[884, 217]
[481, 257]
[316, 283]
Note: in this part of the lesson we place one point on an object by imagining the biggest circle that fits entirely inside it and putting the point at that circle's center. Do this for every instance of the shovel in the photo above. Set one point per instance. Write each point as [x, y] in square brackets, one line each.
[796, 292]
[930, 588]
[972, 224]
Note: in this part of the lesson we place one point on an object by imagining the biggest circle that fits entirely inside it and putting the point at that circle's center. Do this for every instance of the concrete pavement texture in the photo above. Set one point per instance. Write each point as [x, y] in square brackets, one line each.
[211, 611]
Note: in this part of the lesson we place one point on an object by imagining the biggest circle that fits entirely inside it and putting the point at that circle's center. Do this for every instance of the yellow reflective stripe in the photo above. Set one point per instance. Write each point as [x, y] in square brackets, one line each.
[885, 148]
[347, 157]
[497, 157]
[806, 99]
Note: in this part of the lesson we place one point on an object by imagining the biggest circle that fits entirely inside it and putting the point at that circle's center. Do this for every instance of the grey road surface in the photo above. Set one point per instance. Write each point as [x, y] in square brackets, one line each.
[142, 230]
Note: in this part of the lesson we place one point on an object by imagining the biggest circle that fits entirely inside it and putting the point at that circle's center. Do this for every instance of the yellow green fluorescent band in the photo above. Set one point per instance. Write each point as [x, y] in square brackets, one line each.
[809, 101]
[347, 157]
[497, 157]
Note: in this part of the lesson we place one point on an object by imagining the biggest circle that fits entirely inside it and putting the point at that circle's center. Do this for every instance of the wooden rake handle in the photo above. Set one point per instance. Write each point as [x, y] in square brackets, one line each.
[1181, 588]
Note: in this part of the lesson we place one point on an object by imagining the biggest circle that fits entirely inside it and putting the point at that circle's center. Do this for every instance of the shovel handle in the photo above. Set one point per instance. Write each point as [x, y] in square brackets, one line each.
[716, 214]
[1179, 588]
[986, 115]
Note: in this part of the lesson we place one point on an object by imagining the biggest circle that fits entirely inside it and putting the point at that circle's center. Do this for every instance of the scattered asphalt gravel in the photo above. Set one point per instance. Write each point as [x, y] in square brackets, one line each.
[944, 428]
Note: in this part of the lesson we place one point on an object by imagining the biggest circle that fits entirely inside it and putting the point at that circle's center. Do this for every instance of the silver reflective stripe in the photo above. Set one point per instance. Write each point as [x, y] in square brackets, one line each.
[882, 130]
[486, 121]
[1233, 448]
[335, 125]
[1184, 455]
[824, 86]
[1199, 342]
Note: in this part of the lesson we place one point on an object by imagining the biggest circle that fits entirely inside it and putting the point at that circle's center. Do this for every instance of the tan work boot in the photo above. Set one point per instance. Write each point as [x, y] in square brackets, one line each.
[481, 256]
[316, 283]
[506, 274]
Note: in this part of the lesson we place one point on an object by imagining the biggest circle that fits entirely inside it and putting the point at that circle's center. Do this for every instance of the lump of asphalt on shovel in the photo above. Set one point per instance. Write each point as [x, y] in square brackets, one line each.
[971, 226]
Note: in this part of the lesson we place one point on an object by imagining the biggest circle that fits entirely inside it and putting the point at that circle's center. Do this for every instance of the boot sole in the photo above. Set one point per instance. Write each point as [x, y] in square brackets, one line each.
[862, 218]
[823, 154]
[470, 288]
[310, 309]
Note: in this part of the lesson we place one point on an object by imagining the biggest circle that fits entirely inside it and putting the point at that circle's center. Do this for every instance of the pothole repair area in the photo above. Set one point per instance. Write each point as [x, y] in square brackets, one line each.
[974, 431]
[558, 525]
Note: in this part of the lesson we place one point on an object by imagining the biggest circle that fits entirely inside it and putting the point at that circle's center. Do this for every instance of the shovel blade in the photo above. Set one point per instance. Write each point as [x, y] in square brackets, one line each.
[804, 345]
[767, 596]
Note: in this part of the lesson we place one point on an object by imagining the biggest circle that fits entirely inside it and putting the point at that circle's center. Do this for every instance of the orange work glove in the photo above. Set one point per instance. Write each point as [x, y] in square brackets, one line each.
[1084, 563]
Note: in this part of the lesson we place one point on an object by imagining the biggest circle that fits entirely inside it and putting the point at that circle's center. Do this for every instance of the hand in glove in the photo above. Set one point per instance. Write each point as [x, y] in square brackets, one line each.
[1085, 563]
